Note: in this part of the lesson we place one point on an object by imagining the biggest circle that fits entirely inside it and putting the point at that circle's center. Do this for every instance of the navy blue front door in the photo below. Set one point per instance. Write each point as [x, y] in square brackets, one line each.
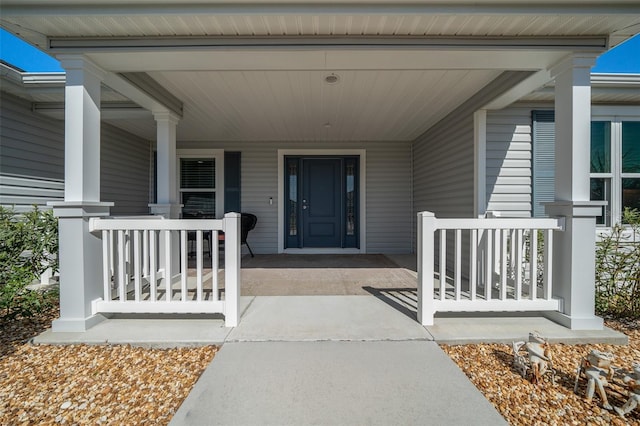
[321, 202]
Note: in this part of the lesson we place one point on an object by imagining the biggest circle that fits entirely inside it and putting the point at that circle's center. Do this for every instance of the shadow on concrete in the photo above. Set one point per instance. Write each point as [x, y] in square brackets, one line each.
[404, 300]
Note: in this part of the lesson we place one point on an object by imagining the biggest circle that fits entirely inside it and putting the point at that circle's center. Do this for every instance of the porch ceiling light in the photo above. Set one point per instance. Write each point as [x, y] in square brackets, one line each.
[331, 78]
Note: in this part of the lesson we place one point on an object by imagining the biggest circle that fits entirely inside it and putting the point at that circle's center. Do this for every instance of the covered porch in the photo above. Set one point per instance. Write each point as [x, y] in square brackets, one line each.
[391, 99]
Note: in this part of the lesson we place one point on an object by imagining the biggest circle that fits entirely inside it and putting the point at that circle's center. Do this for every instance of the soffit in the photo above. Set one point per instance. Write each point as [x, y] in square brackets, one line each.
[364, 105]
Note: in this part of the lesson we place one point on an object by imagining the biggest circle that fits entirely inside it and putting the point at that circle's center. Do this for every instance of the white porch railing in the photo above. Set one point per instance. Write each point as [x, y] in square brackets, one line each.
[484, 265]
[146, 266]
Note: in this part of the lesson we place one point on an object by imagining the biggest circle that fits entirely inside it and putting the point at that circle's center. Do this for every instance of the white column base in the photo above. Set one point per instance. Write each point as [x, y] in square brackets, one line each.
[80, 254]
[75, 325]
[168, 211]
[574, 323]
[574, 252]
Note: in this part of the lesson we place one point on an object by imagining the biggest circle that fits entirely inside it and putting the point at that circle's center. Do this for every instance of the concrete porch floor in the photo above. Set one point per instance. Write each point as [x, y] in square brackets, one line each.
[327, 298]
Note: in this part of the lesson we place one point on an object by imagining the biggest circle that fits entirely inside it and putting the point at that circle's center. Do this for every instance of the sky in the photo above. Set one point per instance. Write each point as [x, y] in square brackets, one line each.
[624, 58]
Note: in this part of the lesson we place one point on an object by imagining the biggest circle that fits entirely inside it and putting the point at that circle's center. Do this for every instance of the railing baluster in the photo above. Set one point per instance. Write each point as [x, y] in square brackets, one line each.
[137, 273]
[184, 269]
[122, 285]
[518, 242]
[152, 266]
[199, 265]
[214, 265]
[488, 265]
[106, 264]
[473, 275]
[533, 264]
[503, 264]
[113, 257]
[127, 255]
[145, 253]
[168, 272]
[548, 264]
[458, 266]
[443, 264]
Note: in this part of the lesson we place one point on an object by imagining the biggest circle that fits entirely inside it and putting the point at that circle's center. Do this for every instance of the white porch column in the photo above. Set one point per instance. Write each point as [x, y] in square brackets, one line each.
[167, 179]
[574, 249]
[80, 252]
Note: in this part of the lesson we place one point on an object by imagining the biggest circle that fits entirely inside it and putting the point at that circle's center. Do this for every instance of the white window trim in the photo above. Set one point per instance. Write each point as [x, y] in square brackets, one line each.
[615, 115]
[363, 198]
[218, 155]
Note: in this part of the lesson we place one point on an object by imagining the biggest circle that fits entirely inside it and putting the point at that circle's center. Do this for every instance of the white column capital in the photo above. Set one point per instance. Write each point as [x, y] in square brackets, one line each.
[574, 61]
[166, 116]
[72, 63]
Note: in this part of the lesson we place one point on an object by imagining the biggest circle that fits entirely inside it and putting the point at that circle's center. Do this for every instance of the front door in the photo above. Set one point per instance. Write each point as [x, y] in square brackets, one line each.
[322, 202]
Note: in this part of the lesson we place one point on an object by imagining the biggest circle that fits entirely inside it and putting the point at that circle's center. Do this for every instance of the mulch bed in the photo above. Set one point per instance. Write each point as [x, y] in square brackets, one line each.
[81, 384]
[489, 367]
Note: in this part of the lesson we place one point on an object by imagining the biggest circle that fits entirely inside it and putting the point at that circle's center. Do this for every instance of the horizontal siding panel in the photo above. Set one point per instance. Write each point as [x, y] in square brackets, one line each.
[26, 182]
[511, 198]
[512, 189]
[508, 164]
[502, 146]
[30, 191]
[508, 207]
[509, 155]
[508, 137]
[18, 201]
[508, 172]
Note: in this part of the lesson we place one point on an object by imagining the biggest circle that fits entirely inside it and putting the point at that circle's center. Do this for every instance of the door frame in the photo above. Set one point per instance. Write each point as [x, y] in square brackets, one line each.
[361, 153]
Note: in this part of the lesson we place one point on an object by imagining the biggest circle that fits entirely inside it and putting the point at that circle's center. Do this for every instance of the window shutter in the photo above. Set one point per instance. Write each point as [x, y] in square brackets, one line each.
[543, 160]
[231, 182]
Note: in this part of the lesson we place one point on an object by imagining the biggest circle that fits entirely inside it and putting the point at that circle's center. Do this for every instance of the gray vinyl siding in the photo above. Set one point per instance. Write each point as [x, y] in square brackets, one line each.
[443, 168]
[125, 168]
[389, 220]
[31, 155]
[32, 161]
[508, 174]
[443, 157]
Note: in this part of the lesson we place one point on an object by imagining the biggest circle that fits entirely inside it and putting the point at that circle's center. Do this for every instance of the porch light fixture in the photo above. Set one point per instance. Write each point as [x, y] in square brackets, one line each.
[331, 78]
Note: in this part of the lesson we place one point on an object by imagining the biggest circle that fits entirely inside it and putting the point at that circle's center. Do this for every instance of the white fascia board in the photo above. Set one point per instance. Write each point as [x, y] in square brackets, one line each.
[260, 7]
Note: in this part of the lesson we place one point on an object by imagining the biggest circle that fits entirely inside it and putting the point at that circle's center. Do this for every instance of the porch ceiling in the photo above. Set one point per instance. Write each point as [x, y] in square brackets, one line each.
[254, 70]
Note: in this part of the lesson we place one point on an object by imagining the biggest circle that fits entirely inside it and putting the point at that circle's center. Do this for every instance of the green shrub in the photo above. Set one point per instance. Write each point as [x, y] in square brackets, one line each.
[28, 246]
[618, 268]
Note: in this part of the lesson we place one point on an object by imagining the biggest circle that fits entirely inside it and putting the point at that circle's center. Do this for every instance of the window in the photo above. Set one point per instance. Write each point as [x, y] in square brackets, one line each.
[200, 183]
[615, 166]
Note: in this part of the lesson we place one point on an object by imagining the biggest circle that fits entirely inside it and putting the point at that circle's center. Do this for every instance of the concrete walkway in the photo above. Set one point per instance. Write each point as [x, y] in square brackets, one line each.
[334, 383]
[332, 360]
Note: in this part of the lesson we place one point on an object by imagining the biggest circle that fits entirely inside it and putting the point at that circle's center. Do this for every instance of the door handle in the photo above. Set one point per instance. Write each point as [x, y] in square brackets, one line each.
[304, 205]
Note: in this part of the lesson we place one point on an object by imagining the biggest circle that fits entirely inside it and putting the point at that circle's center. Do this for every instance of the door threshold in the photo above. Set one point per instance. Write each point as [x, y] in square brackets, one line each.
[323, 250]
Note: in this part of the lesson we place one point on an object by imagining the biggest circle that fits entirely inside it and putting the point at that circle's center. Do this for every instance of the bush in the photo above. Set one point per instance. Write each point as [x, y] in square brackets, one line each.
[618, 268]
[28, 246]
